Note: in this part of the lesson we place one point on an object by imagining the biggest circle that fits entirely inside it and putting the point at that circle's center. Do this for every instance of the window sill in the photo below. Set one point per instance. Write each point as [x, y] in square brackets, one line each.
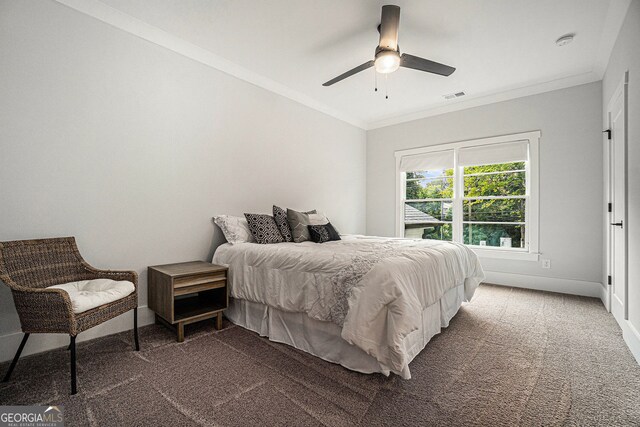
[505, 254]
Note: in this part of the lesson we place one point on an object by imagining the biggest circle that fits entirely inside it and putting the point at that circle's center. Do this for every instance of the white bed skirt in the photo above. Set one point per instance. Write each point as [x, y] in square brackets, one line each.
[323, 339]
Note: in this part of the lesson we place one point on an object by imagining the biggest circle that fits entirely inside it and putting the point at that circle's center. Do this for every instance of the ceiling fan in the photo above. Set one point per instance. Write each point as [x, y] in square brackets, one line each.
[387, 58]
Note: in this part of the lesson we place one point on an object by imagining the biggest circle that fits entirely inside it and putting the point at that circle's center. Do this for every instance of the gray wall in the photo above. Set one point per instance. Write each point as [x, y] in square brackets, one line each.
[626, 56]
[570, 172]
[132, 148]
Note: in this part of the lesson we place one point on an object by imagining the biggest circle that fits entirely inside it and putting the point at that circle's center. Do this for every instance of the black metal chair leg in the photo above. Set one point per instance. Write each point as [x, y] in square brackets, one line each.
[69, 346]
[16, 357]
[135, 328]
[73, 364]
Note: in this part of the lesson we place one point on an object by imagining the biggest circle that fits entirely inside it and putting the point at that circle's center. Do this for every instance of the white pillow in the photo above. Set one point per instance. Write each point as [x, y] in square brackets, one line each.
[318, 219]
[234, 228]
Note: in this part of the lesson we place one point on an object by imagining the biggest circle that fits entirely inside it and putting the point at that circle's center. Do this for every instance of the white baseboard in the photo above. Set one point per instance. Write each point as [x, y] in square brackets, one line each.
[604, 296]
[632, 338]
[542, 283]
[38, 343]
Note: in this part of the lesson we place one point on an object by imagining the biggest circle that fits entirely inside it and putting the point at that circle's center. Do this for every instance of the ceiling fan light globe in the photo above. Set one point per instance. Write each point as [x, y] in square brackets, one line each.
[387, 62]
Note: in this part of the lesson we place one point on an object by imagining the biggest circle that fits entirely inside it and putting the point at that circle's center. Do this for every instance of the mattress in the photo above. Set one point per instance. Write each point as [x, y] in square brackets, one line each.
[374, 290]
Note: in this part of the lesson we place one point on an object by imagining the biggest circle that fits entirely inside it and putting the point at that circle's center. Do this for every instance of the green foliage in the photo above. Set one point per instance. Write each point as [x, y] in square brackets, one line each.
[413, 187]
[430, 188]
[496, 184]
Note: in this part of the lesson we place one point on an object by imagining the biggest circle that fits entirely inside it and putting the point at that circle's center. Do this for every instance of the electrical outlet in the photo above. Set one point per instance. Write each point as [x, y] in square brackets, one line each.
[546, 263]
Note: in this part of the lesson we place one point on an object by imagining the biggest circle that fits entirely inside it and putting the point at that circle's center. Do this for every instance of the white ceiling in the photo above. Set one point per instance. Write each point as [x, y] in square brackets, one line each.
[293, 46]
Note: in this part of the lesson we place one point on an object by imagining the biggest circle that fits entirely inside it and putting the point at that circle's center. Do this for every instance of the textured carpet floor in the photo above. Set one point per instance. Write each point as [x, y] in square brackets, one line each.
[511, 357]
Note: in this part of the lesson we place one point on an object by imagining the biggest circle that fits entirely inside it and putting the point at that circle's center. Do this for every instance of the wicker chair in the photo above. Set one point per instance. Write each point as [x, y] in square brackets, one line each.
[28, 267]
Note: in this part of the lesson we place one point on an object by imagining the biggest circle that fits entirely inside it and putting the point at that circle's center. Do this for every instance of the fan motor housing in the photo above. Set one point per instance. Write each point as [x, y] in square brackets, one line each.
[382, 49]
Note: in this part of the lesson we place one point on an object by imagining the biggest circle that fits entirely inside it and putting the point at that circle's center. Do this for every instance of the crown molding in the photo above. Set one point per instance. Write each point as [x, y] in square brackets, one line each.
[488, 98]
[118, 19]
[136, 27]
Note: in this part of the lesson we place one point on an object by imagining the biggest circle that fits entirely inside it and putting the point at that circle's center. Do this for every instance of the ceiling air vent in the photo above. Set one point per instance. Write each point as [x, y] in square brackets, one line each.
[454, 95]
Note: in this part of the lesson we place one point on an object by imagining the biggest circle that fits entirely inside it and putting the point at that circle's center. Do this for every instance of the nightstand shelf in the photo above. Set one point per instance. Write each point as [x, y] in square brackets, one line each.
[188, 292]
[190, 307]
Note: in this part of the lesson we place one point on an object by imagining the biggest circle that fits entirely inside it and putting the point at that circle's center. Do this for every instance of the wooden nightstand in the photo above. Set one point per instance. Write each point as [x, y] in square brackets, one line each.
[188, 292]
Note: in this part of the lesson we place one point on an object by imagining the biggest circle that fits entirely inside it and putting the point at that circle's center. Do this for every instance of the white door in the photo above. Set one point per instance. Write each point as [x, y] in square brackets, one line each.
[617, 197]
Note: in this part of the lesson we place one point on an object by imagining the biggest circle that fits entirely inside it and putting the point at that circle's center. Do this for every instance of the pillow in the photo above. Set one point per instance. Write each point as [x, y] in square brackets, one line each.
[280, 215]
[323, 233]
[234, 228]
[298, 221]
[317, 218]
[264, 228]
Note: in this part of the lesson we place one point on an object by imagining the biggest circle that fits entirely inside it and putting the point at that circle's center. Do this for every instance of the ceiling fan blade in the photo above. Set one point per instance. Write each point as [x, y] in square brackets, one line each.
[349, 73]
[389, 23]
[421, 64]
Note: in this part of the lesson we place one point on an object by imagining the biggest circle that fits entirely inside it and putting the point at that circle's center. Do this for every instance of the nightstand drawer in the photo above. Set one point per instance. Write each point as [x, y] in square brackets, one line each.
[199, 286]
[187, 281]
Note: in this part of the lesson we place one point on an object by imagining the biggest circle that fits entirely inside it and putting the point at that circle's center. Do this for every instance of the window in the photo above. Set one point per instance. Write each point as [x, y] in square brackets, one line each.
[483, 193]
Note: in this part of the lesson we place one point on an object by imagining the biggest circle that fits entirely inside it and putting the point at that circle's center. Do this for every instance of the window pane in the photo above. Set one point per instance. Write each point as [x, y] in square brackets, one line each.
[435, 184]
[420, 212]
[429, 220]
[435, 231]
[494, 210]
[496, 235]
[498, 184]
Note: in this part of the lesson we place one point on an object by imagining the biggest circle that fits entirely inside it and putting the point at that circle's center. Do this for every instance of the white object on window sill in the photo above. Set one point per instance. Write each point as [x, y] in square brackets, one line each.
[505, 242]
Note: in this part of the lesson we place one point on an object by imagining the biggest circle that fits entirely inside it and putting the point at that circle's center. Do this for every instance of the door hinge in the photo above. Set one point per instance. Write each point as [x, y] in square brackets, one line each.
[609, 207]
[608, 132]
[608, 280]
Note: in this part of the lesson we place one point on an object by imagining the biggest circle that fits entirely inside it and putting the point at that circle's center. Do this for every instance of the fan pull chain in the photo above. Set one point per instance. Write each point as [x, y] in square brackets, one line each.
[375, 80]
[386, 86]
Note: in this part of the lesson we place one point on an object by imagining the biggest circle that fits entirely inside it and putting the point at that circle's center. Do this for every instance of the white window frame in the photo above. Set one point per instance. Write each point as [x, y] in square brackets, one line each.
[532, 213]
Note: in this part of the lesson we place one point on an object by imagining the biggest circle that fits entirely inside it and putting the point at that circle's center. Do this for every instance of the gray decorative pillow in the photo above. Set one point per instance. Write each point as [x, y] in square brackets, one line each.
[280, 216]
[298, 221]
[264, 228]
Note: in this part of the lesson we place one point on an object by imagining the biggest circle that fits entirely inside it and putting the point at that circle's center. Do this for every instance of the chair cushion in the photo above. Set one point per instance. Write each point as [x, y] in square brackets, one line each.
[88, 294]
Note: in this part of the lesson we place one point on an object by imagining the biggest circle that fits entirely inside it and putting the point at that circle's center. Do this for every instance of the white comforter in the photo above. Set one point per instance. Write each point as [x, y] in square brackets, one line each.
[375, 288]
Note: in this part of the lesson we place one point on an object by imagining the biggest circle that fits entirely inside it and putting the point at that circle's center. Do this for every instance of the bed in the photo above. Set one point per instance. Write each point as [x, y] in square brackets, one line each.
[370, 304]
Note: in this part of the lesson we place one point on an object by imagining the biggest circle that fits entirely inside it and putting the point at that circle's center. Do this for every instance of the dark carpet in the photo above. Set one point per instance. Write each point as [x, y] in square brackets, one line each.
[510, 357]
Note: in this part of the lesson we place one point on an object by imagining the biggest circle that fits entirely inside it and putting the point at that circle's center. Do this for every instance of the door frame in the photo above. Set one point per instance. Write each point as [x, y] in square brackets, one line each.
[621, 90]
